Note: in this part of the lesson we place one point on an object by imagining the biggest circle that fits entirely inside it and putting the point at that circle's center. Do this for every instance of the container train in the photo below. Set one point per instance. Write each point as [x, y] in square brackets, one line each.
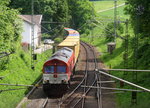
[58, 69]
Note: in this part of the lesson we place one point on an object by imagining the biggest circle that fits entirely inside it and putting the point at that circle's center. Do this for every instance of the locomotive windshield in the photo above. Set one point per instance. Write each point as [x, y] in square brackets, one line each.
[49, 69]
[61, 69]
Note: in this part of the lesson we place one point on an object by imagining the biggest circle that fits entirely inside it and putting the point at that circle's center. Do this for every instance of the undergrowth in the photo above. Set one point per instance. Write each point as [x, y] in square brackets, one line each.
[18, 71]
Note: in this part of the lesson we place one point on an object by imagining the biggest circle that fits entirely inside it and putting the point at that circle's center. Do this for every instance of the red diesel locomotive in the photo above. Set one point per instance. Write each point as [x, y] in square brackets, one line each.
[58, 69]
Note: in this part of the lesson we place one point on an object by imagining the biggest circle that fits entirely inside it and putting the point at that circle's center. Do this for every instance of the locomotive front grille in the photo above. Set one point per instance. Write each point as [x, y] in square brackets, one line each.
[60, 79]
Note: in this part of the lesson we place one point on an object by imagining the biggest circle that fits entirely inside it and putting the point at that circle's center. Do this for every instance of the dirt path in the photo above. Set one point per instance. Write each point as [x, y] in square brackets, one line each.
[110, 8]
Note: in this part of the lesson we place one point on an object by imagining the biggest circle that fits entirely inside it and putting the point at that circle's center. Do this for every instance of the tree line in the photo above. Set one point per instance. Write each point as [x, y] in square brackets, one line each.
[68, 13]
[139, 12]
[58, 13]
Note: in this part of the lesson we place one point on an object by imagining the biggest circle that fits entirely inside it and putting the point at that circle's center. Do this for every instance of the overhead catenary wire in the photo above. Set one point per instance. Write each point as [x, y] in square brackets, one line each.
[48, 56]
[32, 37]
[51, 29]
[93, 23]
[53, 22]
[112, 35]
[11, 89]
[4, 84]
[46, 30]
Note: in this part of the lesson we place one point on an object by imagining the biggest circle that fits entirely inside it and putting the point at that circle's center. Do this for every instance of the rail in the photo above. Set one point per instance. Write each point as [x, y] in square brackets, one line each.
[70, 94]
[97, 78]
[44, 103]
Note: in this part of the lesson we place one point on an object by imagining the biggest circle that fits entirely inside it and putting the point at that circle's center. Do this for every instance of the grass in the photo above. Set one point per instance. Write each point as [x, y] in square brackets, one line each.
[110, 13]
[102, 5]
[18, 72]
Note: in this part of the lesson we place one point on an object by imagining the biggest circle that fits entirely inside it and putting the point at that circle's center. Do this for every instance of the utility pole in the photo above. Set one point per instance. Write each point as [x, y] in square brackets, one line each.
[92, 21]
[126, 48]
[32, 36]
[139, 12]
[115, 20]
[125, 55]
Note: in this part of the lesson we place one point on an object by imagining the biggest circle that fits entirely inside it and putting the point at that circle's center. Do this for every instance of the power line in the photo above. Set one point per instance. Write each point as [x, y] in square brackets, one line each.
[49, 30]
[11, 89]
[48, 22]
[17, 85]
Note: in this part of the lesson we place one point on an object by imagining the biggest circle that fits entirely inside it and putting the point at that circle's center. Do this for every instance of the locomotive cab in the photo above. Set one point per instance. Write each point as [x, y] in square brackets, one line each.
[55, 73]
[59, 68]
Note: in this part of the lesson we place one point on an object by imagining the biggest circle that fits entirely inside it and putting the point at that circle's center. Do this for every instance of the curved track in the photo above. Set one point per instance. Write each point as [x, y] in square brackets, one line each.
[83, 97]
[79, 95]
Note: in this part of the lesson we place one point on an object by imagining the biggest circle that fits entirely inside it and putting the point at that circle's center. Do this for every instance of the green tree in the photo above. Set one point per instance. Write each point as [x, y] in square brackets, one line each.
[82, 13]
[68, 13]
[109, 31]
[10, 31]
[53, 11]
[140, 18]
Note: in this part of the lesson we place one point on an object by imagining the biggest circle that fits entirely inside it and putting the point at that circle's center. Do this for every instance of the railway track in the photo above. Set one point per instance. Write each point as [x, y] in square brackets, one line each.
[78, 96]
[82, 96]
[92, 75]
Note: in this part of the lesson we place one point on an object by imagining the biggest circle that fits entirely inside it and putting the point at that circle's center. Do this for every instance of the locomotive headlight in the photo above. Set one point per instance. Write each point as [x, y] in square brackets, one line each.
[46, 81]
[64, 81]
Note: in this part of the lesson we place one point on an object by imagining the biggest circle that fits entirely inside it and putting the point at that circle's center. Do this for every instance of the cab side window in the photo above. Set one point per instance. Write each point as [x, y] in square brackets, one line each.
[61, 69]
[49, 69]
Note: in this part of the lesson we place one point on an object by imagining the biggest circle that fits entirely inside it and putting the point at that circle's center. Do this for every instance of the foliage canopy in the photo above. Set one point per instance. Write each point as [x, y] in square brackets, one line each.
[140, 18]
[58, 13]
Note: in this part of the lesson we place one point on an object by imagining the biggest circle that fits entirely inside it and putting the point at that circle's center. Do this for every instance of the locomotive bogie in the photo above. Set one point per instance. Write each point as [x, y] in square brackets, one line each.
[55, 89]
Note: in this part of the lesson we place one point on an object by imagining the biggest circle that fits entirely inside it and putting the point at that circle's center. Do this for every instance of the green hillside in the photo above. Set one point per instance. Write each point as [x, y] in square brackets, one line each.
[102, 5]
[103, 27]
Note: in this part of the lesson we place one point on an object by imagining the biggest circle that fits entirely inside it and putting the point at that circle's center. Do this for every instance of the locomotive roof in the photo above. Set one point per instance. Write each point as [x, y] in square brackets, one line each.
[72, 32]
[67, 43]
[72, 39]
[62, 54]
